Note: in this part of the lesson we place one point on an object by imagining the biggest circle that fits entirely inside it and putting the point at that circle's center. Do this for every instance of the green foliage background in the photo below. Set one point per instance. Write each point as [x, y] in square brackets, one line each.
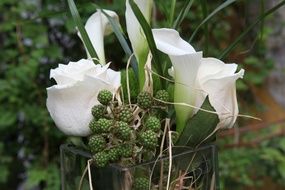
[36, 35]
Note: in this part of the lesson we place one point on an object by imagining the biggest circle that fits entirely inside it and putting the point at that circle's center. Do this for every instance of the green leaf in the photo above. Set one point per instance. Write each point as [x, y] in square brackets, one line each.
[218, 9]
[148, 33]
[184, 11]
[81, 28]
[199, 127]
[122, 40]
[7, 119]
[250, 27]
[172, 11]
[206, 28]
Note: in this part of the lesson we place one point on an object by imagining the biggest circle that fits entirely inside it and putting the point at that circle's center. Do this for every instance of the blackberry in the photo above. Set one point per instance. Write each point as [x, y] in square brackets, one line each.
[101, 159]
[96, 143]
[105, 97]
[101, 126]
[149, 139]
[94, 127]
[162, 95]
[113, 154]
[98, 111]
[153, 123]
[141, 183]
[144, 100]
[124, 113]
[123, 130]
[125, 150]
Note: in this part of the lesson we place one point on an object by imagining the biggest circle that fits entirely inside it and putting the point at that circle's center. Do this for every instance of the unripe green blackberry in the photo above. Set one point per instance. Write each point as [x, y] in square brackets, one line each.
[125, 150]
[95, 129]
[96, 143]
[162, 95]
[105, 97]
[123, 130]
[144, 100]
[98, 111]
[101, 159]
[153, 123]
[149, 139]
[124, 113]
[141, 183]
[113, 154]
[103, 125]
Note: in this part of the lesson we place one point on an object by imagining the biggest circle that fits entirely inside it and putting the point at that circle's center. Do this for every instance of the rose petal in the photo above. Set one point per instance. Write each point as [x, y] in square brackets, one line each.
[70, 105]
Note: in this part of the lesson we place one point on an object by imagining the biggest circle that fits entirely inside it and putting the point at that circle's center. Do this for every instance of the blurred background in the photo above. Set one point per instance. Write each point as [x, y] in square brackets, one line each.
[36, 35]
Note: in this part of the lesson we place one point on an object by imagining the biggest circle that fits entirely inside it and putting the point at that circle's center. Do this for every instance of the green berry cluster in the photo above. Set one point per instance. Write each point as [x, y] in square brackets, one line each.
[153, 123]
[149, 139]
[105, 97]
[163, 96]
[141, 183]
[111, 138]
[124, 113]
[144, 100]
[119, 136]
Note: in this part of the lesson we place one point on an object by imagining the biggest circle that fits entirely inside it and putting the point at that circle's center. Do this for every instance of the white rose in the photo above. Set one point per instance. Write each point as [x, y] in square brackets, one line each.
[70, 101]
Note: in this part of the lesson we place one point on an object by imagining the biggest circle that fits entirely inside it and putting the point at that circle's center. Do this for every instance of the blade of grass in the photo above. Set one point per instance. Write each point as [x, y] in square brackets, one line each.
[172, 11]
[262, 9]
[242, 35]
[183, 13]
[218, 9]
[82, 31]
[206, 28]
[118, 32]
[149, 37]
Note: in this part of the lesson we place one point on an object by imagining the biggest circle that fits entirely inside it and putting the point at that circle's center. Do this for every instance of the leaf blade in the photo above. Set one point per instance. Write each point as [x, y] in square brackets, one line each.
[259, 19]
[218, 9]
[82, 31]
[200, 126]
[149, 37]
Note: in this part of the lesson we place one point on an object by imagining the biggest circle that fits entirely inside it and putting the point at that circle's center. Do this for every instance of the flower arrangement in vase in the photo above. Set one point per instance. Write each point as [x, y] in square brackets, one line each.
[158, 138]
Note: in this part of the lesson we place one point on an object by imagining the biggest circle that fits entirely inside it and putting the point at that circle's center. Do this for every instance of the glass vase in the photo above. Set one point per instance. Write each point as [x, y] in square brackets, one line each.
[185, 169]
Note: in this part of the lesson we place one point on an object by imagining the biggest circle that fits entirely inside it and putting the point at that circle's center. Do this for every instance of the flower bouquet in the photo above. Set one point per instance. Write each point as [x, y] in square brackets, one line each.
[149, 126]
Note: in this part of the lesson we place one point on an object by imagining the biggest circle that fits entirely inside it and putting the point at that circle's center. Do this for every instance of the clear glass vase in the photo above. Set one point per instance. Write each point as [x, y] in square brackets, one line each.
[185, 169]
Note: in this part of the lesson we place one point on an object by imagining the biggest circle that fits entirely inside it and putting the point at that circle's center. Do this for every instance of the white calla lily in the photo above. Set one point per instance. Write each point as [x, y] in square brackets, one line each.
[136, 34]
[98, 26]
[196, 77]
[70, 101]
[218, 81]
[182, 56]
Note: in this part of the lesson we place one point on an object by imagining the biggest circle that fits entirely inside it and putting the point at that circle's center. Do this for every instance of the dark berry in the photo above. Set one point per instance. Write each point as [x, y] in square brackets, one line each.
[98, 111]
[162, 95]
[124, 113]
[141, 183]
[101, 126]
[144, 100]
[96, 143]
[105, 97]
[153, 123]
[125, 150]
[101, 159]
[113, 154]
[149, 139]
[123, 130]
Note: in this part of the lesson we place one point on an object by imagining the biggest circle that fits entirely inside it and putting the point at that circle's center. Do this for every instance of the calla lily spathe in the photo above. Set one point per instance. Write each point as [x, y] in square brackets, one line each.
[69, 102]
[98, 26]
[136, 34]
[196, 77]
